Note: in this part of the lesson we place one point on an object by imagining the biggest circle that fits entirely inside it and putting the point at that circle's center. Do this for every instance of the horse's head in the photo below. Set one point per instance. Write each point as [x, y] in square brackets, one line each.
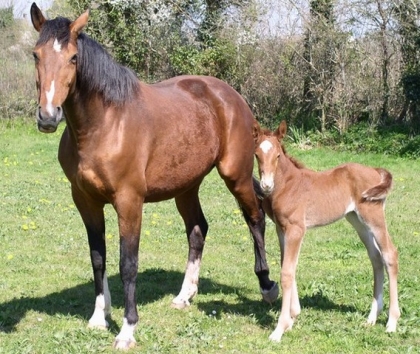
[55, 56]
[268, 149]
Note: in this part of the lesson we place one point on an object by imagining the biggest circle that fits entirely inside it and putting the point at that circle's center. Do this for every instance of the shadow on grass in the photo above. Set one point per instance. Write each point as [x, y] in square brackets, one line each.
[152, 285]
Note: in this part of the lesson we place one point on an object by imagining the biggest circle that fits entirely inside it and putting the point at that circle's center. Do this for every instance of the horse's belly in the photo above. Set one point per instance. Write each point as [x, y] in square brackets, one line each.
[166, 182]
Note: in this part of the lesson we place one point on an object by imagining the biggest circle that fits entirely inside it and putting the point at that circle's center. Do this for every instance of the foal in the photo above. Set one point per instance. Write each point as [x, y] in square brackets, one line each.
[298, 198]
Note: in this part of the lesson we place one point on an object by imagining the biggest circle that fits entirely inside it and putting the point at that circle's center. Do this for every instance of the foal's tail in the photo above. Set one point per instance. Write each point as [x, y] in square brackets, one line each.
[380, 191]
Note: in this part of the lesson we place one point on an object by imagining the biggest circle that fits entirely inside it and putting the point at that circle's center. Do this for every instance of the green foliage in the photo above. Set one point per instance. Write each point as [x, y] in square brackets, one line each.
[6, 17]
[362, 138]
[120, 26]
[215, 61]
[17, 85]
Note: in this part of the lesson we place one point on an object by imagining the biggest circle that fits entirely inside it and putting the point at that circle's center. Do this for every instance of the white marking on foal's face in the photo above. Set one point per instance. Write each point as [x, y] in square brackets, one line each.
[57, 46]
[267, 179]
[50, 96]
[266, 146]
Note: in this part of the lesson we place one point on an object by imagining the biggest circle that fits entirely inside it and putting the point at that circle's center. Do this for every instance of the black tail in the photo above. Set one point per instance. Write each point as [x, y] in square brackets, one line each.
[257, 188]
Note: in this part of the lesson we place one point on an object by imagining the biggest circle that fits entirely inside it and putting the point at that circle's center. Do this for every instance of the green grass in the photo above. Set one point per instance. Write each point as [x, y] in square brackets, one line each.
[46, 287]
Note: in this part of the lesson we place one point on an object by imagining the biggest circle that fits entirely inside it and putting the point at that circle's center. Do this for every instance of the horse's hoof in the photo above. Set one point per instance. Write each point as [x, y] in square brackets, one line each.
[270, 295]
[102, 326]
[180, 305]
[124, 344]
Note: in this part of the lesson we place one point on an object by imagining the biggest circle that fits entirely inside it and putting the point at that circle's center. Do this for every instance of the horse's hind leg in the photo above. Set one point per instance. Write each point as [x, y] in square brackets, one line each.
[372, 230]
[196, 226]
[239, 183]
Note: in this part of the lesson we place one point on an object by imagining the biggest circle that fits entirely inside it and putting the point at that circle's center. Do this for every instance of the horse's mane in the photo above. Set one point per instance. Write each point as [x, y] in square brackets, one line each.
[97, 72]
[295, 162]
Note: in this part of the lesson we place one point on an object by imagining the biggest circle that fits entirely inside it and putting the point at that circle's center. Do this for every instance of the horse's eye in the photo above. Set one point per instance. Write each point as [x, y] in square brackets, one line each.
[36, 58]
[73, 59]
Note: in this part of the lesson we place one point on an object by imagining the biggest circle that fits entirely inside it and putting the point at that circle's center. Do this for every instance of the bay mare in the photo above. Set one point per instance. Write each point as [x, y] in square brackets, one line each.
[128, 143]
[297, 198]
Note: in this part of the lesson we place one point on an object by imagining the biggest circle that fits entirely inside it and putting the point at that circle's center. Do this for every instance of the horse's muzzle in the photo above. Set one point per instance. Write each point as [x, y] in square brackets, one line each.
[48, 120]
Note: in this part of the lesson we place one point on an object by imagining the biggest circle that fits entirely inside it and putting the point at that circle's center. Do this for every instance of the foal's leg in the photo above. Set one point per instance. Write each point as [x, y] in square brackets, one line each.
[371, 227]
[196, 226]
[295, 308]
[291, 240]
[93, 218]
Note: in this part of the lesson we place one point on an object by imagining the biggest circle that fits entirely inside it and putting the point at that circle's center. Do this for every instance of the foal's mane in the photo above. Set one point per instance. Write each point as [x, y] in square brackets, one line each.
[97, 72]
[295, 162]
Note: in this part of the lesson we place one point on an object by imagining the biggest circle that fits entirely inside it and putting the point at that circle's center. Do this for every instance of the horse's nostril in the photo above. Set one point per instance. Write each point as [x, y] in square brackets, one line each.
[40, 117]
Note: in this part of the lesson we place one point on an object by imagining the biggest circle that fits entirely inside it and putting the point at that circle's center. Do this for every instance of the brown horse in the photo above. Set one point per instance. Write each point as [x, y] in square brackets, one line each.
[298, 198]
[128, 143]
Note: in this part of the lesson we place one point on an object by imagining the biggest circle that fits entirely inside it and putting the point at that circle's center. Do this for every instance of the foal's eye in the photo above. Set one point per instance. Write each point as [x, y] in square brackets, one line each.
[73, 59]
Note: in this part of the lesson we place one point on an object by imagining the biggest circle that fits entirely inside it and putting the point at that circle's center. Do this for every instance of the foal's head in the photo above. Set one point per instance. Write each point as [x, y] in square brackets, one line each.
[268, 148]
[55, 57]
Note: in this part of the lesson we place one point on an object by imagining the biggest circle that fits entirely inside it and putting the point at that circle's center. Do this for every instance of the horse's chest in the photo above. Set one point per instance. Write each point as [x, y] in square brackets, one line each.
[91, 181]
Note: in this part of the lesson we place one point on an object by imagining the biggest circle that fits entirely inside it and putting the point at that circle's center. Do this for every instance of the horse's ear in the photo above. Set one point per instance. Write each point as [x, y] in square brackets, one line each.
[37, 17]
[78, 24]
[282, 130]
[256, 129]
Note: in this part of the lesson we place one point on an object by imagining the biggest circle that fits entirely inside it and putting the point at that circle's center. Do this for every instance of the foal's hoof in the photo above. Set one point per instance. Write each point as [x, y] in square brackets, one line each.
[124, 344]
[276, 336]
[180, 305]
[270, 295]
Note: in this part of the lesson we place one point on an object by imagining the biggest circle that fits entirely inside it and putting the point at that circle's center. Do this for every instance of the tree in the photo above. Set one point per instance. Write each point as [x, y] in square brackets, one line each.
[319, 55]
[407, 15]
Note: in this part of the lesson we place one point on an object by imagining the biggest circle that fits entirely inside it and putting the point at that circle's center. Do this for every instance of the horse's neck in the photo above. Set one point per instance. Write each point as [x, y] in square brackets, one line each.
[82, 117]
[288, 168]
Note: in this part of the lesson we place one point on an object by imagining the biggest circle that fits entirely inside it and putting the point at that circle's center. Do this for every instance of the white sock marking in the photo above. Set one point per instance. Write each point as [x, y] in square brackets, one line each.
[102, 307]
[127, 332]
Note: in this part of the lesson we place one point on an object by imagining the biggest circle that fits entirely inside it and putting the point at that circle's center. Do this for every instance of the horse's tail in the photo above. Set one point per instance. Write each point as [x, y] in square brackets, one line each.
[380, 191]
[257, 188]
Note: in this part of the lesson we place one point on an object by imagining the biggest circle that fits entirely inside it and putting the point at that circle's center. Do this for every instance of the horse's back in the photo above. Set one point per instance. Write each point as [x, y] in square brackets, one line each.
[189, 124]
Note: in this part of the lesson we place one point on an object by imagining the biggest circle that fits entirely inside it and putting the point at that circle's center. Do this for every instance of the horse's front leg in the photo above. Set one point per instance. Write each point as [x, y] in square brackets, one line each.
[295, 308]
[93, 217]
[129, 210]
[291, 240]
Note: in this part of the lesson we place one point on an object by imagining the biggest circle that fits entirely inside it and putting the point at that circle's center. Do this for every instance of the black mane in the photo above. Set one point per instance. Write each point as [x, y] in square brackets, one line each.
[97, 72]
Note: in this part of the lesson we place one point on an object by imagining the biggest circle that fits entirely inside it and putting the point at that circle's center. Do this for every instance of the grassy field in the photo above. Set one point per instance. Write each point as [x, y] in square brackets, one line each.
[47, 294]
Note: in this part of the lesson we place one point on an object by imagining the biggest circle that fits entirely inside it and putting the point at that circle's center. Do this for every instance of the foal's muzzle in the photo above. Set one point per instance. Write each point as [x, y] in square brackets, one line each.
[48, 120]
[267, 184]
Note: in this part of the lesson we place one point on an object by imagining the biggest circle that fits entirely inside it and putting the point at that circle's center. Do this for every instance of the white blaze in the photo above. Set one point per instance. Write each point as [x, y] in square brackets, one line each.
[267, 179]
[50, 96]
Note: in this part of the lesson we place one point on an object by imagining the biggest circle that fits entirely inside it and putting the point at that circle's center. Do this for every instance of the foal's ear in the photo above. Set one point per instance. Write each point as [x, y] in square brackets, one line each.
[37, 17]
[282, 130]
[78, 24]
